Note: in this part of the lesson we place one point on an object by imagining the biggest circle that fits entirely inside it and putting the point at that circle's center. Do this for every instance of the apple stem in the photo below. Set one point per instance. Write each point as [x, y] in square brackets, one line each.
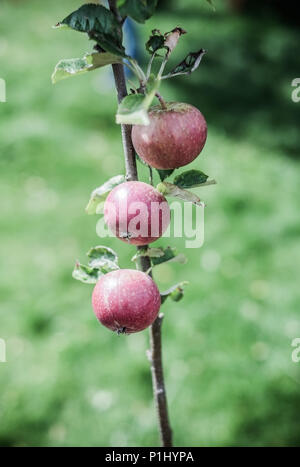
[161, 100]
[155, 352]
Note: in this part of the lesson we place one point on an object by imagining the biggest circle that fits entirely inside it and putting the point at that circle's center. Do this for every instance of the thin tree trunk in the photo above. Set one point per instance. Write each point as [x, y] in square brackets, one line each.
[155, 352]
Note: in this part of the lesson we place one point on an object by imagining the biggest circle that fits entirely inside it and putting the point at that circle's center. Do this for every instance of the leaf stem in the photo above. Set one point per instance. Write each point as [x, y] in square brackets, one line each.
[170, 75]
[138, 71]
[150, 66]
[163, 65]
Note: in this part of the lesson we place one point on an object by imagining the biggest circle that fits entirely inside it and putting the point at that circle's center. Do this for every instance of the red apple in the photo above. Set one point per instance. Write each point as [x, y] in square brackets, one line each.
[136, 213]
[175, 136]
[126, 301]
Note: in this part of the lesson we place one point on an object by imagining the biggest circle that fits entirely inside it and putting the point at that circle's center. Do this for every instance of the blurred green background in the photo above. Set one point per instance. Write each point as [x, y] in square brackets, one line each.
[227, 346]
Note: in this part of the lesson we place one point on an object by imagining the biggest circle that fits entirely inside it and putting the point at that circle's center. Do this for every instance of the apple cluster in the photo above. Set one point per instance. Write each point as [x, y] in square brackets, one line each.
[128, 301]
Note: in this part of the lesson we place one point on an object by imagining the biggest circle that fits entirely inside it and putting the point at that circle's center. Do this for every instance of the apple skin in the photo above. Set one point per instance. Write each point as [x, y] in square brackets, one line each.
[174, 137]
[126, 301]
[120, 209]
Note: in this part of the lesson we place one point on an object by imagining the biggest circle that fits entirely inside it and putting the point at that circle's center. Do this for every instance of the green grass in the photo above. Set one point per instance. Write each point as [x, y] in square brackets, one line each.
[227, 345]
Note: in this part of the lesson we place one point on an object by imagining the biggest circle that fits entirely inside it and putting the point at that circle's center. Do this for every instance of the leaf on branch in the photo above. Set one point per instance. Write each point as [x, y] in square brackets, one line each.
[99, 195]
[86, 274]
[77, 66]
[102, 256]
[160, 255]
[167, 41]
[100, 24]
[155, 42]
[139, 10]
[152, 86]
[150, 252]
[169, 189]
[133, 108]
[163, 174]
[188, 65]
[175, 292]
[168, 254]
[101, 261]
[190, 179]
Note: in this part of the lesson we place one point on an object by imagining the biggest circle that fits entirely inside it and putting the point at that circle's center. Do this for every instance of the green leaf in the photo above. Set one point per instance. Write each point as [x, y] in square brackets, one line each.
[139, 10]
[172, 190]
[160, 255]
[87, 274]
[132, 111]
[102, 256]
[190, 179]
[155, 42]
[151, 88]
[167, 41]
[133, 108]
[175, 292]
[100, 24]
[188, 65]
[163, 174]
[101, 261]
[77, 66]
[150, 252]
[167, 255]
[99, 195]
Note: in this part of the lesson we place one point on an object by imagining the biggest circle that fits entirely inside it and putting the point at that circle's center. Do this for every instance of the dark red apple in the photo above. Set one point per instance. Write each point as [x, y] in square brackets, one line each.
[126, 301]
[175, 136]
[136, 213]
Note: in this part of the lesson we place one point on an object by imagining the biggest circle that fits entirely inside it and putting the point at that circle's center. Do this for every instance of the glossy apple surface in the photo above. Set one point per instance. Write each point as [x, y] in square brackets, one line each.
[136, 213]
[174, 138]
[126, 301]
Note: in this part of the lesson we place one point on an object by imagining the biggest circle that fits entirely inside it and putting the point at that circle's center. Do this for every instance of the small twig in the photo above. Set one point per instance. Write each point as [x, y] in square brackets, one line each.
[150, 175]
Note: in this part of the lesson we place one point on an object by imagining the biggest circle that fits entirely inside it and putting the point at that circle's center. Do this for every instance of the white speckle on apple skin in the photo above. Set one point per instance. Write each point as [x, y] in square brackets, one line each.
[136, 213]
[174, 137]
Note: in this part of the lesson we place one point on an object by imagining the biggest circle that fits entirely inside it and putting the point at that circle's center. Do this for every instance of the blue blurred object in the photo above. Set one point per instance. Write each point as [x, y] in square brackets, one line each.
[131, 41]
